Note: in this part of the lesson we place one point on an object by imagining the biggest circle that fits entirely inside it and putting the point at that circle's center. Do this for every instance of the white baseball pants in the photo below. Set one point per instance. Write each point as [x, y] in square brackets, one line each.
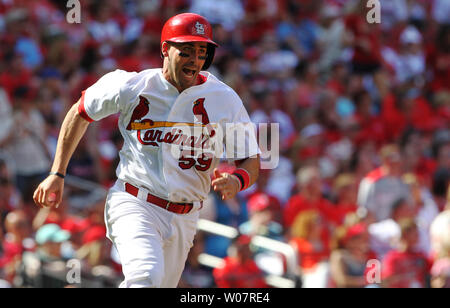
[152, 242]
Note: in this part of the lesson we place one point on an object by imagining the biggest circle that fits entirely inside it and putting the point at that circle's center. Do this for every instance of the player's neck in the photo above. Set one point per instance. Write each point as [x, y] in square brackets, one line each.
[168, 77]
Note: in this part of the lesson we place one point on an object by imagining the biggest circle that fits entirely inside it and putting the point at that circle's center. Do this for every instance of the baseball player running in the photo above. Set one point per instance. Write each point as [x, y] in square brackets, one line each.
[174, 122]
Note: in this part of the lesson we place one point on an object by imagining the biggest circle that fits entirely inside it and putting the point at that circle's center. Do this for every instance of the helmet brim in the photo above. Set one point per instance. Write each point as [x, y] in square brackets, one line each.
[192, 38]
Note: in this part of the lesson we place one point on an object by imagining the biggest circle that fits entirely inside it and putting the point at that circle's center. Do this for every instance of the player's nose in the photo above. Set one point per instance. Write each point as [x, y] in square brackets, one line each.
[194, 57]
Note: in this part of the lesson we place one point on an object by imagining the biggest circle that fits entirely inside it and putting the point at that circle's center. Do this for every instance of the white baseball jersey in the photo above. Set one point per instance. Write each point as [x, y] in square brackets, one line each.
[156, 122]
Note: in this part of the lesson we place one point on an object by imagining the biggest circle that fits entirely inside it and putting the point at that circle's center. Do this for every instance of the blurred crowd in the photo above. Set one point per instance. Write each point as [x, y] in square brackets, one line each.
[364, 132]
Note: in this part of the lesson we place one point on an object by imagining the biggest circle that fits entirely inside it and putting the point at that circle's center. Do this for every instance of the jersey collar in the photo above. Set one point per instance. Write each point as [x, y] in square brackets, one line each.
[202, 78]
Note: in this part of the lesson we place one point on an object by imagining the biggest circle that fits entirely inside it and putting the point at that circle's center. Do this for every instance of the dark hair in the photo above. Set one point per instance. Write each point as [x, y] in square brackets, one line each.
[261, 95]
[4, 181]
[22, 92]
[358, 96]
[441, 42]
[440, 184]
[440, 139]
[301, 69]
[89, 58]
[406, 136]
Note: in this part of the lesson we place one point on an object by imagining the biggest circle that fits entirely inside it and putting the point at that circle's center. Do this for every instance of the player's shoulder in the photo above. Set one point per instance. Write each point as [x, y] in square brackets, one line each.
[117, 75]
[137, 78]
[110, 84]
[221, 91]
[216, 85]
[137, 81]
[112, 80]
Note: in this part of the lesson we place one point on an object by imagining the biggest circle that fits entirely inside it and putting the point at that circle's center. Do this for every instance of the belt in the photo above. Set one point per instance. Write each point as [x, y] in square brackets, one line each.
[178, 208]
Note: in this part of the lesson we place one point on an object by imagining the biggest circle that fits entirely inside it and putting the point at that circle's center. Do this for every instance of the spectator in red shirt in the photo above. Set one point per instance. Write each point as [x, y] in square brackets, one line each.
[407, 109]
[371, 126]
[338, 78]
[13, 74]
[239, 270]
[311, 240]
[309, 198]
[365, 40]
[259, 19]
[405, 267]
[438, 60]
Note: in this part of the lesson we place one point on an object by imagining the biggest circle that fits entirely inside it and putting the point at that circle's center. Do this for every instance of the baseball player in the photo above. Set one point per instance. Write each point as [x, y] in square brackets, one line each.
[174, 122]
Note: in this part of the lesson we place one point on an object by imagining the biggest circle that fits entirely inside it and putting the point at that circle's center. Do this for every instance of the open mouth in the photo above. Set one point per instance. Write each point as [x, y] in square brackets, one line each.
[188, 72]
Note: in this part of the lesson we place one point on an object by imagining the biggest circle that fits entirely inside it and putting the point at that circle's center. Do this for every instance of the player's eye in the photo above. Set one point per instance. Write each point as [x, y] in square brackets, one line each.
[189, 50]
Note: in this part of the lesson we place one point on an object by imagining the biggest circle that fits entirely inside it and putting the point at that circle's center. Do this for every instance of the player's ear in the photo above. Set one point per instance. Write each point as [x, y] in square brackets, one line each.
[165, 49]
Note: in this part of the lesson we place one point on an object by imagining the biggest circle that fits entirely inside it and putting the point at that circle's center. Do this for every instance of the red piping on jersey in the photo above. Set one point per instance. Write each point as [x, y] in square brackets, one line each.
[81, 111]
[201, 79]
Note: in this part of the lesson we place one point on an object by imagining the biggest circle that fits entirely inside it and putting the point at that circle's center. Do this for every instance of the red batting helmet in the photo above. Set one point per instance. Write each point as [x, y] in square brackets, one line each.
[190, 27]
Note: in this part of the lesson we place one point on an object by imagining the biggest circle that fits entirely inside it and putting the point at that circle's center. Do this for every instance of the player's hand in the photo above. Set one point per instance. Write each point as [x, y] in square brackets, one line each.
[49, 192]
[227, 184]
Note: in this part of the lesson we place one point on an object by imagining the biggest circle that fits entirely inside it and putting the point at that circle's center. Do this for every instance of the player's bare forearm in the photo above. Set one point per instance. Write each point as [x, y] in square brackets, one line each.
[72, 130]
[229, 184]
[50, 191]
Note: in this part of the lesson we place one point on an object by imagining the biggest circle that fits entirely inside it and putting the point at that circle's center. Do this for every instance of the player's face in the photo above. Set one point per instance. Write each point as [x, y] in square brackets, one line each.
[183, 63]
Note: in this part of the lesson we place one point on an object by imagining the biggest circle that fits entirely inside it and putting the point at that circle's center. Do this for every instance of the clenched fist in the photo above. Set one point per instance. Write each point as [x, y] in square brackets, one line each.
[49, 192]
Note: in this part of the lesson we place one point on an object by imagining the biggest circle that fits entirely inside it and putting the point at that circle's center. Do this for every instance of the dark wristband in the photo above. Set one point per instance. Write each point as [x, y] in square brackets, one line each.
[243, 177]
[241, 180]
[57, 174]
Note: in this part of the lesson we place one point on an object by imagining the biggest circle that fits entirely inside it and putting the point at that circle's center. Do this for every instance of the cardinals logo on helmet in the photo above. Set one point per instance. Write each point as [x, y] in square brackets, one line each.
[200, 28]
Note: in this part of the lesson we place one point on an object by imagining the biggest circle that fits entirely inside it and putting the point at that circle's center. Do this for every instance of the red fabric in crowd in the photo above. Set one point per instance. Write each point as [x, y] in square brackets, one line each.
[93, 234]
[364, 34]
[10, 251]
[406, 269]
[439, 62]
[309, 255]
[235, 275]
[299, 203]
[341, 210]
[419, 115]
